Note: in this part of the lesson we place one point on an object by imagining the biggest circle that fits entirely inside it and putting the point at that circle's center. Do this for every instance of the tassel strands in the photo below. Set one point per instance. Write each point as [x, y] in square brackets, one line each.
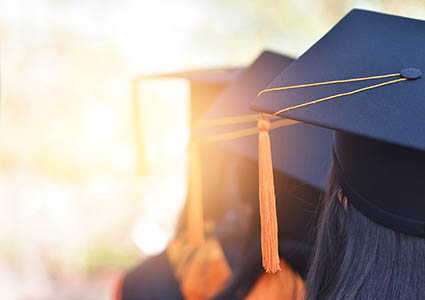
[195, 218]
[268, 217]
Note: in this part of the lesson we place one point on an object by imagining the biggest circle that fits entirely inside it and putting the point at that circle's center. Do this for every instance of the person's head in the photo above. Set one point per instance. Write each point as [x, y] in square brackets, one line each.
[228, 166]
[356, 258]
[358, 82]
[296, 176]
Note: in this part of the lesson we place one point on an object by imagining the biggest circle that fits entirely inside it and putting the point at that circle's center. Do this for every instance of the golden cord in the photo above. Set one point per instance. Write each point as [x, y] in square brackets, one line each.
[326, 83]
[332, 96]
[286, 122]
[336, 96]
[227, 121]
[246, 132]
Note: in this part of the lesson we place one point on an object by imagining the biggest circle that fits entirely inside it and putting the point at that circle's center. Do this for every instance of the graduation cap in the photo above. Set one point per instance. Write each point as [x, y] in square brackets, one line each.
[364, 80]
[301, 160]
[204, 86]
[147, 280]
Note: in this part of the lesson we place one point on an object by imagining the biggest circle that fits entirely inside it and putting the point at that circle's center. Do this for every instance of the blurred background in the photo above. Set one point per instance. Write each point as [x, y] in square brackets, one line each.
[85, 190]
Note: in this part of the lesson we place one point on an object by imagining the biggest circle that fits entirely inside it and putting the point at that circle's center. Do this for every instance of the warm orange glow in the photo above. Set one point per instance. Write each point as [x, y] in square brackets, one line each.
[164, 121]
[74, 208]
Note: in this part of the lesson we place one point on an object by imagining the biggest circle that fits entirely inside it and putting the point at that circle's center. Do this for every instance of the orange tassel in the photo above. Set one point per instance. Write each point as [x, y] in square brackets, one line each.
[195, 218]
[268, 218]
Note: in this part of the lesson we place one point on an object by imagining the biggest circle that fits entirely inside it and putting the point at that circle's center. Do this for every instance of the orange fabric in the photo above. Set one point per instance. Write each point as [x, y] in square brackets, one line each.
[117, 288]
[268, 216]
[284, 285]
[201, 271]
[195, 213]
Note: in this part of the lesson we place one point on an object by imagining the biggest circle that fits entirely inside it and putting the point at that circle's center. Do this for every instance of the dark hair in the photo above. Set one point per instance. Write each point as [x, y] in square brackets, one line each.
[355, 258]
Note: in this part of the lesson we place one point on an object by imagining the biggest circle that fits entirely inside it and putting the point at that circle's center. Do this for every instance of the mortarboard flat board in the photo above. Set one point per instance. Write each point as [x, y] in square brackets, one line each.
[302, 154]
[380, 125]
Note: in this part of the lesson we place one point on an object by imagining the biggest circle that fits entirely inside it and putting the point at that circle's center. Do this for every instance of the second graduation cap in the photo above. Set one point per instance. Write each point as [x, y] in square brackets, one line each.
[302, 153]
[364, 80]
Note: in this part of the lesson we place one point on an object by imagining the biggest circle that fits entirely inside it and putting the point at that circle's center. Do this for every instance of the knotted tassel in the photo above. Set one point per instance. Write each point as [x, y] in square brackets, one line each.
[268, 218]
[195, 218]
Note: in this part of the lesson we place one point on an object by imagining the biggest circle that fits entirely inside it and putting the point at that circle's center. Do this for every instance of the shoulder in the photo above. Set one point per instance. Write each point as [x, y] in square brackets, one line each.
[153, 279]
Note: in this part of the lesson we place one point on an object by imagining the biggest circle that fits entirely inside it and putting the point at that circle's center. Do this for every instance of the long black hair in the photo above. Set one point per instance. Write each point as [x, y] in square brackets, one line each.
[355, 258]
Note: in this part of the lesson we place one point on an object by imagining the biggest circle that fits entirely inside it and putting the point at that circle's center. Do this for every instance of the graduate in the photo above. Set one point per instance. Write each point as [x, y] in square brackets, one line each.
[154, 278]
[300, 176]
[364, 80]
[226, 262]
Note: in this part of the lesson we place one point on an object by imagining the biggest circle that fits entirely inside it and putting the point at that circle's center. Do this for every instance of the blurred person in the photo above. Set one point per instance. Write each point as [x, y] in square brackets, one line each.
[228, 264]
[152, 274]
[299, 184]
[367, 74]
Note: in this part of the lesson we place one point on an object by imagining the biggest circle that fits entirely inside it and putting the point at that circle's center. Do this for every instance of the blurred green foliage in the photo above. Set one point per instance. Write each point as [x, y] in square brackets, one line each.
[105, 256]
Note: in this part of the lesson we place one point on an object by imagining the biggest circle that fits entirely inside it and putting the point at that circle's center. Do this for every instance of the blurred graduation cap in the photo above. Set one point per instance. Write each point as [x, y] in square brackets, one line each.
[301, 160]
[148, 279]
[364, 80]
[204, 86]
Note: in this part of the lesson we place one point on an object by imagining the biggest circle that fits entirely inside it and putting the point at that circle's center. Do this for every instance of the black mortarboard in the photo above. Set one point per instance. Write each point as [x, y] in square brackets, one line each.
[379, 121]
[302, 153]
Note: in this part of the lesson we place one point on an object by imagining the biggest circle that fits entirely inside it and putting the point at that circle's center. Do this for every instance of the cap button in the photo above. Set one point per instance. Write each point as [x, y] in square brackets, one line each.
[411, 73]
